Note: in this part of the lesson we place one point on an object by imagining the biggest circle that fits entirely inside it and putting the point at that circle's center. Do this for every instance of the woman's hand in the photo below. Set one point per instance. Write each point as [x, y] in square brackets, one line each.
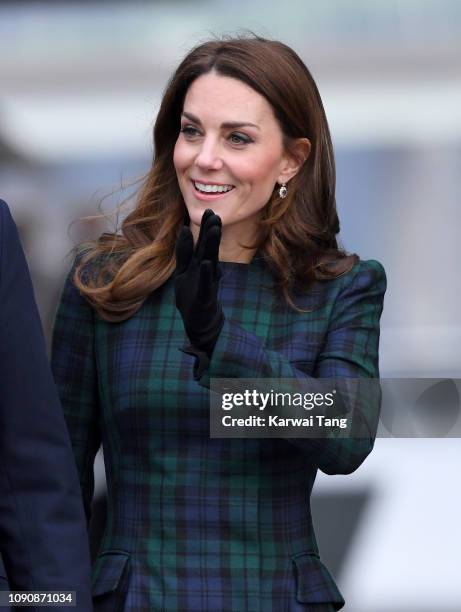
[196, 282]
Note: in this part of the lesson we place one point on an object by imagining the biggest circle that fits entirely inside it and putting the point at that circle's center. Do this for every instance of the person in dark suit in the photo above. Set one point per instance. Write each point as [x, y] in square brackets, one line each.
[43, 538]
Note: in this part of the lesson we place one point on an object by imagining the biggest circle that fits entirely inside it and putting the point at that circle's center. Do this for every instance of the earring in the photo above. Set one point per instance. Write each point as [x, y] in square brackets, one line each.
[283, 191]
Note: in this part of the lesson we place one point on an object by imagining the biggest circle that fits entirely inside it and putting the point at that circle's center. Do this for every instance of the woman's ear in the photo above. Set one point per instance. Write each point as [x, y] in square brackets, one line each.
[296, 154]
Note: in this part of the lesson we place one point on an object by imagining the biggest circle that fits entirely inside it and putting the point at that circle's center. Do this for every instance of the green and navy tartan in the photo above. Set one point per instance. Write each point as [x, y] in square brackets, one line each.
[200, 524]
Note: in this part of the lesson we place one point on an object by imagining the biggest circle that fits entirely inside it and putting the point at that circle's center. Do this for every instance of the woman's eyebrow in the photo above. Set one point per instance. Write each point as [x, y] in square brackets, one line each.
[227, 124]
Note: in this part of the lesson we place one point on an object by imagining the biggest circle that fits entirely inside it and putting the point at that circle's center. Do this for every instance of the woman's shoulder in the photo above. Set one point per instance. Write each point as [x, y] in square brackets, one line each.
[91, 262]
[366, 278]
[90, 272]
[358, 271]
[82, 263]
[363, 276]
[365, 269]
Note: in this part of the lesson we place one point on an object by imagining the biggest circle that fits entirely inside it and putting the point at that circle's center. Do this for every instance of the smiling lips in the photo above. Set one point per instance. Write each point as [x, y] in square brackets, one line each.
[211, 191]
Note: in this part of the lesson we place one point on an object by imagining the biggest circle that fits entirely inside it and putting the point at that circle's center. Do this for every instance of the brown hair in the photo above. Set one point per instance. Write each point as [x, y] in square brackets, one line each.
[298, 233]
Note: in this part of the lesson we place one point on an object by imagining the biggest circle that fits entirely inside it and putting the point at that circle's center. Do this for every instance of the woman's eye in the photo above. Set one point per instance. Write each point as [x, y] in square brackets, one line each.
[235, 138]
[239, 139]
[188, 130]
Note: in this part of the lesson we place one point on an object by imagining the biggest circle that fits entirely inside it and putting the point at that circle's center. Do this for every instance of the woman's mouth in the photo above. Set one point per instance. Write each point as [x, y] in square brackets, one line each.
[210, 191]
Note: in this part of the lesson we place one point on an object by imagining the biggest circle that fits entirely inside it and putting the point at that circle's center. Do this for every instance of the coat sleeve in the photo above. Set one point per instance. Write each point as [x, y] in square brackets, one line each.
[350, 351]
[43, 534]
[74, 368]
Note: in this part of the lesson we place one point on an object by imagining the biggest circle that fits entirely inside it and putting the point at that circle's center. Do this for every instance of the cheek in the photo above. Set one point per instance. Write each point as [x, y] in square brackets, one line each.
[179, 157]
[260, 171]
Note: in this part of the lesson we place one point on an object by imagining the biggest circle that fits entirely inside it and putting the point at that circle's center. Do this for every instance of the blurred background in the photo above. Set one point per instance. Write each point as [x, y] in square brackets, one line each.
[80, 85]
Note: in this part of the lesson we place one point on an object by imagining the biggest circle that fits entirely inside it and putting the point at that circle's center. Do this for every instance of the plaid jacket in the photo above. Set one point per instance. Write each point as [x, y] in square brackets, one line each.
[211, 524]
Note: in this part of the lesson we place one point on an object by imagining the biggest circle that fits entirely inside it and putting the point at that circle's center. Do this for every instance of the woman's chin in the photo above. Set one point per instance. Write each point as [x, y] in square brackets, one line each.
[196, 212]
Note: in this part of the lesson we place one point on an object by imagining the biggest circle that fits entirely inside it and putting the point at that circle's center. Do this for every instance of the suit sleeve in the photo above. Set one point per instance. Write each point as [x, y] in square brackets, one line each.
[74, 369]
[350, 351]
[43, 534]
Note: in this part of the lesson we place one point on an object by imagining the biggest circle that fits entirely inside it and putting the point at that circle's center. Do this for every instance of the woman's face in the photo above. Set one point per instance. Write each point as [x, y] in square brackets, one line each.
[229, 153]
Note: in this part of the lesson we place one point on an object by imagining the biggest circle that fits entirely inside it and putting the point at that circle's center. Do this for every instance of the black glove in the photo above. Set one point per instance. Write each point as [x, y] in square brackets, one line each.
[196, 283]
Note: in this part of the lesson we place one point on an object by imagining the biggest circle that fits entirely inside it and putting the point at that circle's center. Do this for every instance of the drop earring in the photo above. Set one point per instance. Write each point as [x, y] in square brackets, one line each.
[283, 191]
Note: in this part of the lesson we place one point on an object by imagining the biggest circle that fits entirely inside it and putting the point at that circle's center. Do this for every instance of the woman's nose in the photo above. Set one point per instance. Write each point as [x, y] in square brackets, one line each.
[209, 155]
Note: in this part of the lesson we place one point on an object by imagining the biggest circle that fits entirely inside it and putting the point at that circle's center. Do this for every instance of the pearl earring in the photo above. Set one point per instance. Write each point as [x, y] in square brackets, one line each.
[283, 190]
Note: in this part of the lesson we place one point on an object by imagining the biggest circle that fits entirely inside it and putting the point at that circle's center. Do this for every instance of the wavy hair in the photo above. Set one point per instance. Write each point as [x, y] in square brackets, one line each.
[298, 233]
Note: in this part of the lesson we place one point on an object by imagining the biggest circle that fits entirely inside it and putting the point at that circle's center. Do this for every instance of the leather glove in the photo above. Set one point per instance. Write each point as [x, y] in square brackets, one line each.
[196, 283]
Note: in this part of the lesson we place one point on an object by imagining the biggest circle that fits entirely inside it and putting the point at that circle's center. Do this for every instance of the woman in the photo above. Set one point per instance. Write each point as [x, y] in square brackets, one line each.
[255, 286]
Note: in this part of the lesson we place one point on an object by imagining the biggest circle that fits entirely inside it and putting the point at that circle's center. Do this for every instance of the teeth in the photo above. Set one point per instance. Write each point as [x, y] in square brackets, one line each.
[212, 188]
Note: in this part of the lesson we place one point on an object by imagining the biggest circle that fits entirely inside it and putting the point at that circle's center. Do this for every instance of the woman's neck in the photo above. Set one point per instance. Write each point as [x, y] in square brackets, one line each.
[236, 254]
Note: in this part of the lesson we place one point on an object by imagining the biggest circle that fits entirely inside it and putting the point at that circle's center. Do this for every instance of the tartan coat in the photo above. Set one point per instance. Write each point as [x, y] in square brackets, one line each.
[200, 524]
